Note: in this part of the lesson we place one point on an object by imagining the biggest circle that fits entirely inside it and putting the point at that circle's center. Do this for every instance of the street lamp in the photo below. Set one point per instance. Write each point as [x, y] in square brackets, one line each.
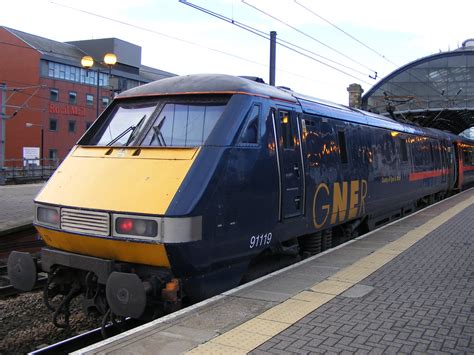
[110, 59]
[29, 125]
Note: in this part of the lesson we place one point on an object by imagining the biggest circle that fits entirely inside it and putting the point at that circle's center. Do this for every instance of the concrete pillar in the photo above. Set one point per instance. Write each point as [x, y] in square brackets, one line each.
[355, 95]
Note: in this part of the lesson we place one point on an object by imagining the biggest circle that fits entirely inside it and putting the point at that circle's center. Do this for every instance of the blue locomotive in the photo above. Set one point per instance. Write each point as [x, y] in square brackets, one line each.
[183, 184]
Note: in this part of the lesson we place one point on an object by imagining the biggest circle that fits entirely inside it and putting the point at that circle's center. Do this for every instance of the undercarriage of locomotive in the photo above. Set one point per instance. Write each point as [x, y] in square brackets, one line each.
[115, 290]
[142, 293]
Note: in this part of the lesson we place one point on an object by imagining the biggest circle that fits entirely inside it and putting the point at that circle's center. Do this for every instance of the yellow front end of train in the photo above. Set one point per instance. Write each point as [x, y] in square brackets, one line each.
[77, 211]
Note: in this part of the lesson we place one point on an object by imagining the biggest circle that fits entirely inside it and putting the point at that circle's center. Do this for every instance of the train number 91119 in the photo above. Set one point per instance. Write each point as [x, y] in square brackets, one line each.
[260, 240]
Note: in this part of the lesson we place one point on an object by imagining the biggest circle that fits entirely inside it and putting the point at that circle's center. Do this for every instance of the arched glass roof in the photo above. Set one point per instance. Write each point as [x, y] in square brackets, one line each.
[435, 91]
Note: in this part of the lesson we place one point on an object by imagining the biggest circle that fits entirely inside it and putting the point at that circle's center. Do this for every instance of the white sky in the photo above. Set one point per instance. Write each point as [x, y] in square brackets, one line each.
[401, 30]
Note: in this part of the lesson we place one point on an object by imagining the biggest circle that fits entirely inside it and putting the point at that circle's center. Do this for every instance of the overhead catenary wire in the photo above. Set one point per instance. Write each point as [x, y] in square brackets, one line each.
[362, 43]
[345, 32]
[263, 34]
[310, 37]
[243, 26]
[156, 32]
[255, 31]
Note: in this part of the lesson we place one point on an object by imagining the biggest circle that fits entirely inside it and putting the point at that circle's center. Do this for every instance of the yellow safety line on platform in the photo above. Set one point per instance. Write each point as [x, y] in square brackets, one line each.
[257, 331]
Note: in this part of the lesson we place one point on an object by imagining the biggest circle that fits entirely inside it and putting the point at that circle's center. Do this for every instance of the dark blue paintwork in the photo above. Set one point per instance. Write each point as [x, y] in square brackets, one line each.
[236, 187]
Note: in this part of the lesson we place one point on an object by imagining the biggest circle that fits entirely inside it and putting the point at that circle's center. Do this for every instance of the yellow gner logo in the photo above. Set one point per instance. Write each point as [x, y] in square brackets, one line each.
[346, 200]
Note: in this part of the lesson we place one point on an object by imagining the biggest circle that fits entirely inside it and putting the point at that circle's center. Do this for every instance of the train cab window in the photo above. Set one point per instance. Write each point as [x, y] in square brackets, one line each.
[342, 146]
[183, 125]
[123, 125]
[403, 149]
[250, 133]
[286, 130]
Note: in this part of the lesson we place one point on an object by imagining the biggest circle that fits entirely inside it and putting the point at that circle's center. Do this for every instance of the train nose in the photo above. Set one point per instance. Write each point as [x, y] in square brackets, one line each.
[22, 270]
[126, 294]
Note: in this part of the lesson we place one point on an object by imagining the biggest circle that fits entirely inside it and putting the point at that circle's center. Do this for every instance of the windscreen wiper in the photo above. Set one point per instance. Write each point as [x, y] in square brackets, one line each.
[157, 133]
[131, 128]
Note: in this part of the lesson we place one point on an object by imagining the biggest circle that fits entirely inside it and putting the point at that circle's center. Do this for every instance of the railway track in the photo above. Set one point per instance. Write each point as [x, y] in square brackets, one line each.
[24, 239]
[88, 338]
[7, 290]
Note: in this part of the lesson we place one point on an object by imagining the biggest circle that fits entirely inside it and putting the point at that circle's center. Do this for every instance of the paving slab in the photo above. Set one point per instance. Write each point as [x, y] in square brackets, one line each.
[405, 288]
[16, 206]
[422, 301]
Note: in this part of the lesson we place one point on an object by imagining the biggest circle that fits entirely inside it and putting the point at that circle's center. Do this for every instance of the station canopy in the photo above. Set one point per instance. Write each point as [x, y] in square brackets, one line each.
[435, 91]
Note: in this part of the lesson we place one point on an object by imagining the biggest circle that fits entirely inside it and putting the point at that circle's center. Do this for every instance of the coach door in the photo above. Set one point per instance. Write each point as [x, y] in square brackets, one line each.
[287, 127]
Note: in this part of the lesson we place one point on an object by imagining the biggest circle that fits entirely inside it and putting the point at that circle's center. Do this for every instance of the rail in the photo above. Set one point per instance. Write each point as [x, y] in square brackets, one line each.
[17, 171]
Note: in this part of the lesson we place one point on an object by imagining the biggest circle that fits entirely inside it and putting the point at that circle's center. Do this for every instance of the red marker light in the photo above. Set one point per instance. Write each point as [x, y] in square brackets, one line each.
[136, 227]
[125, 225]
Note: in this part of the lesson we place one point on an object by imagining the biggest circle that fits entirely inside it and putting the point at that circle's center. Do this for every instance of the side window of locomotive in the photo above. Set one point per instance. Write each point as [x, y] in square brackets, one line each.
[250, 132]
[286, 130]
[183, 125]
[342, 146]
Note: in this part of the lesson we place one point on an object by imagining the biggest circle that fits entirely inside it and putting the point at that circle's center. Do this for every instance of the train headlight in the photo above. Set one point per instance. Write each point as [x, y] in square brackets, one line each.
[135, 227]
[48, 216]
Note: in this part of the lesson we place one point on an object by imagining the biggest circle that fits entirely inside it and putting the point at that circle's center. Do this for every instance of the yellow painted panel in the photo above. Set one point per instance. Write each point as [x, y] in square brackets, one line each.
[375, 260]
[169, 153]
[241, 339]
[289, 311]
[263, 326]
[119, 250]
[331, 287]
[352, 274]
[316, 298]
[115, 183]
[210, 348]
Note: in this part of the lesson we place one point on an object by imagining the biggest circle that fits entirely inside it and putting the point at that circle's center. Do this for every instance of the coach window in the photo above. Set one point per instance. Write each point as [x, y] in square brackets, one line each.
[286, 130]
[403, 149]
[250, 132]
[342, 146]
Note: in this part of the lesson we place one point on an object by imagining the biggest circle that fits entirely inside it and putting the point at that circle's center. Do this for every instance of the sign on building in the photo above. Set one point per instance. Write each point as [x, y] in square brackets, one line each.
[31, 156]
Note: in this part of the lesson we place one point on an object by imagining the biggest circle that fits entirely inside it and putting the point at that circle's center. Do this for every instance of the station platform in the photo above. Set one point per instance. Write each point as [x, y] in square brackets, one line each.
[16, 206]
[407, 287]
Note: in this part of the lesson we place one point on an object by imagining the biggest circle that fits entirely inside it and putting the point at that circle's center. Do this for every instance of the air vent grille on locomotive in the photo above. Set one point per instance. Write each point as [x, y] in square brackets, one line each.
[88, 222]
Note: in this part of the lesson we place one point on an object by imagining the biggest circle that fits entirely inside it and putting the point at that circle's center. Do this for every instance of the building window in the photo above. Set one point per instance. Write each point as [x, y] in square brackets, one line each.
[53, 124]
[71, 126]
[73, 73]
[105, 101]
[89, 99]
[54, 94]
[53, 154]
[88, 125]
[72, 97]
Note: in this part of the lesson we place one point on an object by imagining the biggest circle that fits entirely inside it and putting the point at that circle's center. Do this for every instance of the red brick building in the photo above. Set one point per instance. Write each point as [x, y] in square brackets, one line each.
[47, 97]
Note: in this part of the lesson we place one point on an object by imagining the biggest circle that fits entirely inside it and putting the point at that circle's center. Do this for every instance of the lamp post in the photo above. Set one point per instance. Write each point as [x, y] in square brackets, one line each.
[87, 62]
